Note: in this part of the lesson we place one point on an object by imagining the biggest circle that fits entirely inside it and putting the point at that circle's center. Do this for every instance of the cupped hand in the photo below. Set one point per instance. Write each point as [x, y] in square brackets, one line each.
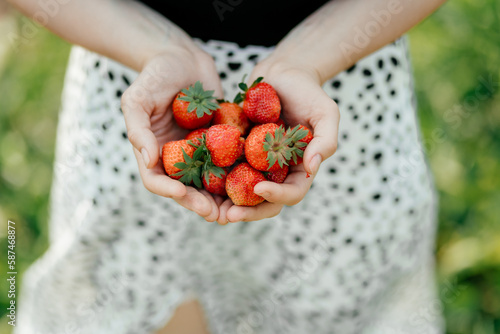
[146, 105]
[303, 102]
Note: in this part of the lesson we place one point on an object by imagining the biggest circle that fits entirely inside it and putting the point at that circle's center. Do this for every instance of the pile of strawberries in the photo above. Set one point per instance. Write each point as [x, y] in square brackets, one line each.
[242, 147]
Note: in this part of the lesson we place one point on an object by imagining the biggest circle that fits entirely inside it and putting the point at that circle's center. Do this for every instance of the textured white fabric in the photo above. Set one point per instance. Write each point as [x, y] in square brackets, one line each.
[355, 256]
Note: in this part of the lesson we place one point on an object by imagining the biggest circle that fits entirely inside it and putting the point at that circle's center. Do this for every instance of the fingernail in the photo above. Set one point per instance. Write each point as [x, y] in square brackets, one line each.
[145, 157]
[314, 164]
[264, 194]
[261, 192]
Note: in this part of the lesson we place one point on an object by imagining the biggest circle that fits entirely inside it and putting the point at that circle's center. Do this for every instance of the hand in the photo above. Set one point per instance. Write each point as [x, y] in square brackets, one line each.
[147, 107]
[303, 102]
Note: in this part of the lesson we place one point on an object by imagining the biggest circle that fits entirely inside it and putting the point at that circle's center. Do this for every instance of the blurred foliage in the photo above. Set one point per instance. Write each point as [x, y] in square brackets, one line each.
[456, 55]
[30, 85]
[456, 58]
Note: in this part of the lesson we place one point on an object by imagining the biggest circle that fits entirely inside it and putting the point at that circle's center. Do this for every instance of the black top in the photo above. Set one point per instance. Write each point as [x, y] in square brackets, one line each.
[256, 22]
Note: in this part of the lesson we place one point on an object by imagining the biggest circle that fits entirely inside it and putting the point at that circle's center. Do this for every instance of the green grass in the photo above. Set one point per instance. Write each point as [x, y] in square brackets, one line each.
[454, 52]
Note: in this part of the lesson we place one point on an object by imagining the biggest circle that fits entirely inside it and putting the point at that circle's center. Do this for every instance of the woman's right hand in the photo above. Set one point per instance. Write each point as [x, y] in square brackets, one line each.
[147, 107]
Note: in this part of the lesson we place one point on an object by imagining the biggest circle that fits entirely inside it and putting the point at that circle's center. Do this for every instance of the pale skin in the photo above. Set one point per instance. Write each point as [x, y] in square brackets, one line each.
[168, 60]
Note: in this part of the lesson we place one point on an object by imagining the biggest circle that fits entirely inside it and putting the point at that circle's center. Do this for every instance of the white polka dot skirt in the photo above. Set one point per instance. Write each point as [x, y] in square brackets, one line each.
[355, 256]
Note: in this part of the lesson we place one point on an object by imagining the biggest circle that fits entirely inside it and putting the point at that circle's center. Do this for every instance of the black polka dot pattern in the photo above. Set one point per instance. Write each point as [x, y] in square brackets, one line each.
[364, 230]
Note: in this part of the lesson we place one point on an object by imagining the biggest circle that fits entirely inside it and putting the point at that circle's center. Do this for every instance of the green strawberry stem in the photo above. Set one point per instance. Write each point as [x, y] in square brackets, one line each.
[284, 146]
[199, 99]
[240, 97]
[190, 169]
[209, 167]
[201, 155]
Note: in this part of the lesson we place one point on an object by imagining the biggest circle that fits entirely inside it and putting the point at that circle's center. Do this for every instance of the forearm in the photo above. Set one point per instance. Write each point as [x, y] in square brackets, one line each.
[126, 31]
[344, 31]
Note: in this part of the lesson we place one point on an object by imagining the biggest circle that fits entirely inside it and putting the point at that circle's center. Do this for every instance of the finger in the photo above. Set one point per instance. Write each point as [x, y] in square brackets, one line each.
[214, 214]
[157, 182]
[325, 123]
[210, 77]
[212, 82]
[219, 200]
[291, 192]
[196, 202]
[137, 116]
[226, 205]
[253, 213]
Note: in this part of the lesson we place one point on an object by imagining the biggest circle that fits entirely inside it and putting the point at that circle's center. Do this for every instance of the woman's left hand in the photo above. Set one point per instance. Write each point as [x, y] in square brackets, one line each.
[303, 101]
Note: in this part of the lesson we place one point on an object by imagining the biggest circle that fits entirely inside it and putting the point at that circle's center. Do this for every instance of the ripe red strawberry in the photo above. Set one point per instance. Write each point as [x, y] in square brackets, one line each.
[280, 122]
[232, 114]
[196, 135]
[240, 183]
[181, 161]
[214, 180]
[296, 159]
[242, 147]
[278, 176]
[193, 107]
[269, 148]
[223, 143]
[260, 102]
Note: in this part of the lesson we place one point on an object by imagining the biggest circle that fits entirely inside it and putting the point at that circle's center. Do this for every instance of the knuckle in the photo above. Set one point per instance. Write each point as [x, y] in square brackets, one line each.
[147, 185]
[294, 201]
[126, 99]
[133, 136]
[278, 211]
[332, 110]
[134, 97]
[205, 63]
[327, 104]
[333, 105]
[333, 147]
[206, 58]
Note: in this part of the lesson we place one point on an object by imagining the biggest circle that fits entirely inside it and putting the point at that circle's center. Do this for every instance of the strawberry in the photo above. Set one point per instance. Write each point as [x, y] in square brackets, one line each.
[181, 161]
[232, 114]
[280, 122]
[260, 102]
[240, 183]
[278, 176]
[242, 147]
[269, 148]
[214, 180]
[196, 135]
[193, 107]
[223, 143]
[307, 139]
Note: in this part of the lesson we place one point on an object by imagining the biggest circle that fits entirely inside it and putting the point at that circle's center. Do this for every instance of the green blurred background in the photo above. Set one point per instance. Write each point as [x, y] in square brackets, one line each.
[456, 55]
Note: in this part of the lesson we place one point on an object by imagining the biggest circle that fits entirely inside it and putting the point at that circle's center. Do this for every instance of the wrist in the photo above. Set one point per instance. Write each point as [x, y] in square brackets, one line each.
[278, 66]
[152, 35]
[182, 47]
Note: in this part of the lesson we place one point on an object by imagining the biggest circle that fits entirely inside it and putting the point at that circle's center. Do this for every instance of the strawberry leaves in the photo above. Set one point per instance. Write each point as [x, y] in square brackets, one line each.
[284, 146]
[240, 97]
[258, 80]
[191, 168]
[200, 165]
[200, 100]
[210, 168]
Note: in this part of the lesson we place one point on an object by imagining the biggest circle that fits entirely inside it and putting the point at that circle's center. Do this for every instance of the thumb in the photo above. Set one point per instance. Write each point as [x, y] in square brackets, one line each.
[211, 81]
[138, 122]
[325, 125]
